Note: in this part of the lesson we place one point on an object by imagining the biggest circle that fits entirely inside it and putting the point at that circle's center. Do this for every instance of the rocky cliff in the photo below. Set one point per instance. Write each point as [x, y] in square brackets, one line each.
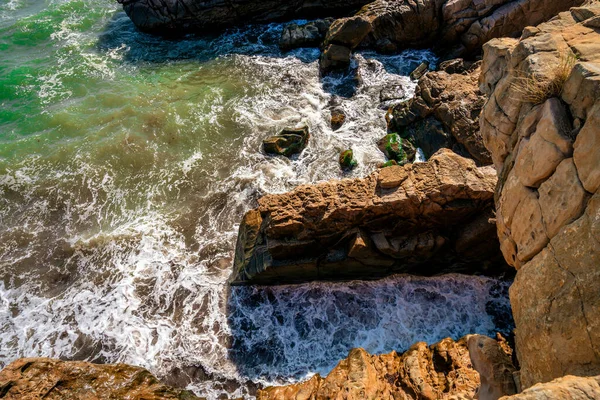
[542, 127]
[427, 218]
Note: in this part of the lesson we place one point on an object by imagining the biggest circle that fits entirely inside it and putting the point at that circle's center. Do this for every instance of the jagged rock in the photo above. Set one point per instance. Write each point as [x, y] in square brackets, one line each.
[494, 366]
[347, 160]
[398, 219]
[45, 378]
[548, 206]
[439, 372]
[338, 118]
[419, 71]
[565, 388]
[444, 112]
[288, 142]
[464, 24]
[334, 57]
[174, 17]
[310, 34]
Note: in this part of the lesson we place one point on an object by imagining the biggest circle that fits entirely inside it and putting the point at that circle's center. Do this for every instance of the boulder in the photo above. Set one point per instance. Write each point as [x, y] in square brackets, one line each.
[338, 118]
[176, 17]
[334, 57]
[44, 378]
[288, 142]
[494, 365]
[419, 71]
[397, 149]
[444, 112]
[548, 206]
[438, 372]
[398, 219]
[310, 34]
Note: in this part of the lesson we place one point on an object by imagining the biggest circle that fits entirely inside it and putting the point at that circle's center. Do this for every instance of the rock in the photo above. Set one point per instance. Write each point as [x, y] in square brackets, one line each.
[334, 57]
[390, 94]
[338, 118]
[310, 34]
[45, 378]
[419, 71]
[176, 17]
[458, 66]
[348, 32]
[386, 164]
[397, 149]
[437, 372]
[494, 366]
[565, 388]
[347, 160]
[548, 205]
[406, 218]
[444, 112]
[288, 142]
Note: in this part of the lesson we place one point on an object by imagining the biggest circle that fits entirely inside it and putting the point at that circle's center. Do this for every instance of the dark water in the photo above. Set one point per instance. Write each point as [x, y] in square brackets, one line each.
[126, 163]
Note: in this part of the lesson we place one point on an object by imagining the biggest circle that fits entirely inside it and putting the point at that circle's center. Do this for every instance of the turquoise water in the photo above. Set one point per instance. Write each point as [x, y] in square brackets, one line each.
[126, 163]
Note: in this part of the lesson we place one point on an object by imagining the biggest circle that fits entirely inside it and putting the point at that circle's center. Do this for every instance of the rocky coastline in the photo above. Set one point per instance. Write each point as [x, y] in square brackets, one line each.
[510, 187]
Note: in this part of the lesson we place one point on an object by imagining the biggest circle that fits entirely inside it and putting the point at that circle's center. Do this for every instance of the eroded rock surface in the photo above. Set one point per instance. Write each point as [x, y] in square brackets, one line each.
[444, 113]
[547, 154]
[565, 388]
[438, 372]
[424, 218]
[44, 378]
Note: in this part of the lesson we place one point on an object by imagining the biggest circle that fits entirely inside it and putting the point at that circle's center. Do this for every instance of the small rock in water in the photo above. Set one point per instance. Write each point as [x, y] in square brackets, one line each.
[338, 117]
[420, 71]
[391, 94]
[397, 149]
[347, 160]
[387, 164]
[288, 142]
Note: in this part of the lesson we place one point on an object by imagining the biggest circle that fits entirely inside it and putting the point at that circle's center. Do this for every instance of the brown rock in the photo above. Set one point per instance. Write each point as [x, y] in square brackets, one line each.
[335, 57]
[494, 366]
[437, 372]
[409, 215]
[44, 378]
[548, 205]
[565, 388]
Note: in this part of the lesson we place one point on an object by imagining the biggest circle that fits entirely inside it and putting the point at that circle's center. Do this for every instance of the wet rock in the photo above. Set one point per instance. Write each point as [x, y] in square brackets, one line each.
[548, 205]
[406, 215]
[348, 32]
[338, 118]
[390, 94]
[438, 372]
[397, 149]
[386, 164]
[444, 112]
[419, 71]
[288, 142]
[175, 17]
[310, 34]
[347, 160]
[335, 57]
[44, 378]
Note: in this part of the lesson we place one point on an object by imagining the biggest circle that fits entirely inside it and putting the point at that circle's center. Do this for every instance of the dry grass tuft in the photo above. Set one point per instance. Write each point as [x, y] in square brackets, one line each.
[536, 89]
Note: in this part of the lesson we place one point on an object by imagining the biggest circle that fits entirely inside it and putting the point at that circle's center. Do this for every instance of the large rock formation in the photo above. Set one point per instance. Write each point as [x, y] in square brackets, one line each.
[425, 218]
[444, 113]
[465, 24]
[174, 17]
[565, 388]
[49, 379]
[542, 126]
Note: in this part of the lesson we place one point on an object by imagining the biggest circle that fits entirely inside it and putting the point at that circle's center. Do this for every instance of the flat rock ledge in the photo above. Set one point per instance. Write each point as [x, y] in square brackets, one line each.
[426, 219]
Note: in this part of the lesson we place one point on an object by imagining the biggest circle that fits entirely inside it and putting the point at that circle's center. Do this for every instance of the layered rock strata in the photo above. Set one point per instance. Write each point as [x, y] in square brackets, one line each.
[427, 218]
[44, 378]
[542, 127]
[444, 112]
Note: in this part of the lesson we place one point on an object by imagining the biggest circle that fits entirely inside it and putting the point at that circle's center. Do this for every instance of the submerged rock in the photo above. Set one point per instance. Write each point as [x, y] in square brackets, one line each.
[347, 160]
[547, 154]
[288, 142]
[397, 149]
[45, 378]
[398, 219]
[338, 118]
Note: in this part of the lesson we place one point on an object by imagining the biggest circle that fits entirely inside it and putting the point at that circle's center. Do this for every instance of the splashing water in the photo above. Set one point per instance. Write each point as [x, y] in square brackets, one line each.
[126, 162]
